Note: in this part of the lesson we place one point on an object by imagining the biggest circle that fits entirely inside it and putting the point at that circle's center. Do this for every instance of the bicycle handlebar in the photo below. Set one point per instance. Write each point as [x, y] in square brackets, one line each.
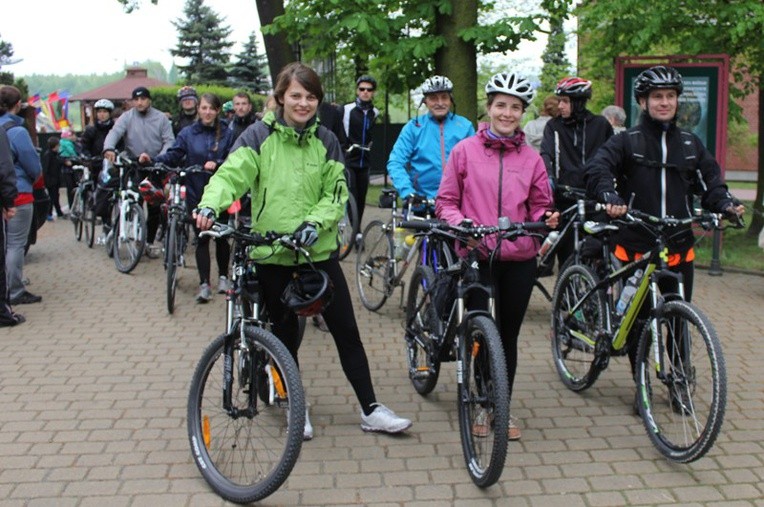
[507, 229]
[270, 238]
[706, 219]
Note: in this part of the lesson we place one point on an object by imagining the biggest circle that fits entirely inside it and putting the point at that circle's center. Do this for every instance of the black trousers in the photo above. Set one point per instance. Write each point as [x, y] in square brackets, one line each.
[339, 318]
[358, 185]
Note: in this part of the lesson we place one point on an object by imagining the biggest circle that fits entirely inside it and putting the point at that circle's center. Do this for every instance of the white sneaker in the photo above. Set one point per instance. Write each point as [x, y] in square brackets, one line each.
[308, 433]
[205, 293]
[383, 420]
[222, 285]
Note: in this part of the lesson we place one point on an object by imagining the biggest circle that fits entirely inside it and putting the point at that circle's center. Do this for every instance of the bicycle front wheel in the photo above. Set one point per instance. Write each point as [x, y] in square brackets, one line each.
[422, 328]
[373, 265]
[130, 242]
[683, 397]
[89, 219]
[574, 333]
[483, 392]
[75, 214]
[348, 227]
[246, 451]
[171, 263]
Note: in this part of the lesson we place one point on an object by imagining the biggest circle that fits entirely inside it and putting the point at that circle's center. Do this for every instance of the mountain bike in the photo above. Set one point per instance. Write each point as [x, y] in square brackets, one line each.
[349, 224]
[127, 238]
[441, 327]
[176, 226]
[246, 405]
[385, 251]
[680, 371]
[82, 213]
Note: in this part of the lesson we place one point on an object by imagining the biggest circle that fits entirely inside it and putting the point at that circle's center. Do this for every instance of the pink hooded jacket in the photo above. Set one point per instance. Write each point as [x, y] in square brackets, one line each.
[486, 178]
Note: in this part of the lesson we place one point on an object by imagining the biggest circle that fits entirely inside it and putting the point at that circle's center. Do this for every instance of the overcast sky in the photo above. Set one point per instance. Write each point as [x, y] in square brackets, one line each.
[96, 36]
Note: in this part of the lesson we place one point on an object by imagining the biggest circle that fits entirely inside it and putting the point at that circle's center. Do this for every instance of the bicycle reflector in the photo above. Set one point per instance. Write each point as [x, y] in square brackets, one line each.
[150, 193]
[308, 293]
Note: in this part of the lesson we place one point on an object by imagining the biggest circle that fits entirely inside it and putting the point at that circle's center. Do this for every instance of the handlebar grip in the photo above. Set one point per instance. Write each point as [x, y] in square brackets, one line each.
[418, 225]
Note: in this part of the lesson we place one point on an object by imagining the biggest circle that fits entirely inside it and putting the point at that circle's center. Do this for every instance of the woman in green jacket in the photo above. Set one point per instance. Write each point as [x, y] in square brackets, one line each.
[294, 170]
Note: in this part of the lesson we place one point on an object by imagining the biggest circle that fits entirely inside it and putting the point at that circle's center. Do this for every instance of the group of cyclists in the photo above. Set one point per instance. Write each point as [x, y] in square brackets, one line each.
[293, 169]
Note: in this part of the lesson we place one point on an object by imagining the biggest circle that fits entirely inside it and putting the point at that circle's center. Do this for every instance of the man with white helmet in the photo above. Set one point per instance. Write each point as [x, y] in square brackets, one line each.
[420, 154]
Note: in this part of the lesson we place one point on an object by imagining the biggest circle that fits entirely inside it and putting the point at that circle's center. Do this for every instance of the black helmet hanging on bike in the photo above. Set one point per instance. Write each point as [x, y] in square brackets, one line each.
[658, 77]
[308, 293]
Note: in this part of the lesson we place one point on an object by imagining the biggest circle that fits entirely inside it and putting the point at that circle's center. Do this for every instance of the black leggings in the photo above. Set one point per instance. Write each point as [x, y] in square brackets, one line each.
[222, 255]
[512, 284]
[358, 184]
[339, 318]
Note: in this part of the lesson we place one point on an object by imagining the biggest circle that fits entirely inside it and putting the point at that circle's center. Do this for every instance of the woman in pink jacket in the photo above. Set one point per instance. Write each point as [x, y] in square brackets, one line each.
[492, 174]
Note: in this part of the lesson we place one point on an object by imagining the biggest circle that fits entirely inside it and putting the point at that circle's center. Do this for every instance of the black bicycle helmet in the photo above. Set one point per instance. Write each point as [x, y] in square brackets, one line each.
[309, 292]
[187, 92]
[658, 77]
[366, 79]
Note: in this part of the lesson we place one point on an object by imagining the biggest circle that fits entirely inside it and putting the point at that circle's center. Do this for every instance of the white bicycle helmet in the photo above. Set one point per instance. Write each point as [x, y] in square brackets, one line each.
[510, 83]
[104, 104]
[437, 84]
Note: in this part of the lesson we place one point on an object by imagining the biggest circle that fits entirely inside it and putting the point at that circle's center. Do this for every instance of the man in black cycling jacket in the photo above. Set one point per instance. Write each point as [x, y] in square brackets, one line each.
[662, 166]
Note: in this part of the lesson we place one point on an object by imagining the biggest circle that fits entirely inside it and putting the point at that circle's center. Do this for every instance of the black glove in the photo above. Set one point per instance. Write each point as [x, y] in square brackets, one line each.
[208, 213]
[612, 198]
[306, 234]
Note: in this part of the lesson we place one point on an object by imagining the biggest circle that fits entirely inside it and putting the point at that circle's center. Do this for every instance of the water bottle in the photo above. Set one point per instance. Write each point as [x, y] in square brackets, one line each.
[628, 292]
[548, 242]
[399, 242]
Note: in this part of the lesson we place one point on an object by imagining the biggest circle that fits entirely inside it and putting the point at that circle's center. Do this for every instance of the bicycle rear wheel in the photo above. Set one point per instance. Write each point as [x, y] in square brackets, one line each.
[573, 338]
[348, 227]
[129, 244]
[171, 263]
[75, 214]
[682, 400]
[373, 265]
[89, 219]
[422, 327]
[247, 452]
[483, 401]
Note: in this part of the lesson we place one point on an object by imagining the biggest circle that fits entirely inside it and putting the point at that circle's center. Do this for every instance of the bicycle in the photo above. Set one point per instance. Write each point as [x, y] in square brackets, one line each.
[678, 348]
[82, 213]
[244, 383]
[176, 224]
[348, 225]
[127, 238]
[441, 328]
[384, 253]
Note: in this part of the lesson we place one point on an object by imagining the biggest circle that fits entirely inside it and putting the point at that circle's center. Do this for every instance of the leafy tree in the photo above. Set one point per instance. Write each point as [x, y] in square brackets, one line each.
[249, 71]
[405, 40]
[203, 42]
[690, 27]
[556, 64]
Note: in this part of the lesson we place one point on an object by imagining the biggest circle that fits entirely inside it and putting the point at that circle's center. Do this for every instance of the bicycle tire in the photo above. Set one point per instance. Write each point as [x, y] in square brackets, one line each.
[483, 402]
[575, 360]
[109, 240]
[171, 264]
[75, 214]
[422, 326]
[683, 410]
[348, 228]
[89, 219]
[244, 458]
[373, 266]
[128, 250]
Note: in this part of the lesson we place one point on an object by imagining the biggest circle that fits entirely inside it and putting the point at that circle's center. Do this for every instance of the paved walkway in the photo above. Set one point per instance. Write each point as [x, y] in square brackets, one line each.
[93, 402]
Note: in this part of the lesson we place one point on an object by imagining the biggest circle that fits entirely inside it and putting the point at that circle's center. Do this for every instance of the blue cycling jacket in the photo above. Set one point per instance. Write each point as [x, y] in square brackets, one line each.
[421, 151]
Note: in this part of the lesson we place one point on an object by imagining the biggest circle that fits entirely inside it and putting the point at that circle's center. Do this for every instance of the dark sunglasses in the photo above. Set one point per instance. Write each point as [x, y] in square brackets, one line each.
[364, 89]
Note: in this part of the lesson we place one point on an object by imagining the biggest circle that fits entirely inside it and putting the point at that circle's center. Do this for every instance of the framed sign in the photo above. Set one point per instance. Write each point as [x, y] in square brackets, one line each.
[703, 103]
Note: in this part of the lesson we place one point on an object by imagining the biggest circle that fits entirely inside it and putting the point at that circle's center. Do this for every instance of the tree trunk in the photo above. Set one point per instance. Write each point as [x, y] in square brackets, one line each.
[457, 60]
[277, 49]
[757, 220]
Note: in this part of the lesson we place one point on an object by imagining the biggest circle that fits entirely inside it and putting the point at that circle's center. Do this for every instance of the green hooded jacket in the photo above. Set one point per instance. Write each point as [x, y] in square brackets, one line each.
[293, 176]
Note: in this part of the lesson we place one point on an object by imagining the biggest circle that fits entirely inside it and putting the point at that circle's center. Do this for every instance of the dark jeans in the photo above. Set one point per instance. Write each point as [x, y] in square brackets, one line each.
[339, 318]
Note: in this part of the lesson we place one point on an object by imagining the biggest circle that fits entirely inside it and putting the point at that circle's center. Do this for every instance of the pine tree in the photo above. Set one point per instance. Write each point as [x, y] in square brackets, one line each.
[556, 64]
[250, 70]
[203, 42]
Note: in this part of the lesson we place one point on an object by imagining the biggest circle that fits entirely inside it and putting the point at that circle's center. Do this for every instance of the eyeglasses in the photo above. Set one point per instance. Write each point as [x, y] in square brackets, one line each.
[364, 89]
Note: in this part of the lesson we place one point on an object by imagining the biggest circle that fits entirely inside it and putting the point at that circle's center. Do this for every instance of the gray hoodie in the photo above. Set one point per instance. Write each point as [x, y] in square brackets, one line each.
[142, 133]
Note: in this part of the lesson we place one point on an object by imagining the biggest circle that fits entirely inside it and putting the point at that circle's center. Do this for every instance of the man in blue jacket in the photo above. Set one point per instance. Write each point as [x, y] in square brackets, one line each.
[420, 153]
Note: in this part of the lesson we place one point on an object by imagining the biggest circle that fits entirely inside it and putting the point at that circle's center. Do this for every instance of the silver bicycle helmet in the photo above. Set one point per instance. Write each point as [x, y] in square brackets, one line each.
[510, 83]
[658, 77]
[104, 104]
[437, 84]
